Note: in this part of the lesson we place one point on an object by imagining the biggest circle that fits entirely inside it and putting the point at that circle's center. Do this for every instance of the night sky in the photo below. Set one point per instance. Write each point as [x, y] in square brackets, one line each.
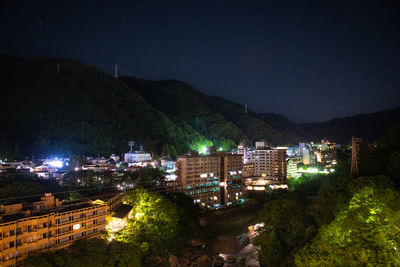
[307, 60]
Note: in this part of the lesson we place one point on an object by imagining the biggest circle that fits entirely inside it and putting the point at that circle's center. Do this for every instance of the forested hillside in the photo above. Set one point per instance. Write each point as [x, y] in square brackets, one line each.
[213, 117]
[81, 110]
[369, 126]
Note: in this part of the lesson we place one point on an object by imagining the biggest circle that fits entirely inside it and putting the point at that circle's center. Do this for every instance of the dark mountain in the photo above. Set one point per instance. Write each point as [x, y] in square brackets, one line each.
[286, 126]
[369, 126]
[80, 110]
[214, 117]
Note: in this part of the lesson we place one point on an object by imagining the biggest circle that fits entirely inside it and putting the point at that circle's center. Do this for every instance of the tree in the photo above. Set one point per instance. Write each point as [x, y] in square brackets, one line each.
[288, 226]
[365, 233]
[87, 179]
[155, 223]
[90, 253]
[146, 177]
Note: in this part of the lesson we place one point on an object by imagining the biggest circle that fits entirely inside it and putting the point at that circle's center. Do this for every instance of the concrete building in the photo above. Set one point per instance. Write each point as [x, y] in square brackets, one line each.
[248, 170]
[136, 156]
[199, 177]
[232, 191]
[211, 180]
[291, 167]
[46, 224]
[50, 224]
[245, 152]
[269, 163]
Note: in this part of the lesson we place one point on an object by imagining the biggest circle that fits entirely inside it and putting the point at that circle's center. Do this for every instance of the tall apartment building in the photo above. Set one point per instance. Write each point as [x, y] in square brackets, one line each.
[48, 224]
[199, 177]
[248, 170]
[232, 190]
[211, 180]
[269, 163]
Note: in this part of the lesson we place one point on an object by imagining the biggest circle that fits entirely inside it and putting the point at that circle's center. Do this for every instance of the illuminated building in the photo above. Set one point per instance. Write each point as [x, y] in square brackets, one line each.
[248, 170]
[325, 152]
[291, 167]
[199, 177]
[244, 152]
[119, 217]
[232, 190]
[269, 164]
[47, 224]
[211, 180]
[136, 156]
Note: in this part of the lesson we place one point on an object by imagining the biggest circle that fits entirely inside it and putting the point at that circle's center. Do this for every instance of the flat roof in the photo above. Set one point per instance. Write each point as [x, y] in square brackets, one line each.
[122, 211]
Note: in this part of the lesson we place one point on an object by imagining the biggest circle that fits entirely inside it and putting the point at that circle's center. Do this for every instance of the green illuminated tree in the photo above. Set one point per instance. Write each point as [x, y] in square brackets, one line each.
[155, 222]
[365, 233]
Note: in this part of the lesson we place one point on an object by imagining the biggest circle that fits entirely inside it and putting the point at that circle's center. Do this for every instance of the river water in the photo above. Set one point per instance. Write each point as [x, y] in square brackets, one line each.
[248, 252]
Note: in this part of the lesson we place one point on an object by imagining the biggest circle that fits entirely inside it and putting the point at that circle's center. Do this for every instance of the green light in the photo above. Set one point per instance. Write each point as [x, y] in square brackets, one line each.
[203, 150]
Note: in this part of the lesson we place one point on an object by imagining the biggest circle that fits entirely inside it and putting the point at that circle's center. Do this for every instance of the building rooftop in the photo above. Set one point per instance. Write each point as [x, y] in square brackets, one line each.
[122, 211]
[65, 207]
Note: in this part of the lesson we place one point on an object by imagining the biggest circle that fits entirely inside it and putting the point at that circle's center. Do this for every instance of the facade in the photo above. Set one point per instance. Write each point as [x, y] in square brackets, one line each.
[199, 177]
[244, 152]
[291, 167]
[231, 189]
[248, 170]
[211, 180]
[47, 224]
[325, 152]
[270, 163]
[136, 156]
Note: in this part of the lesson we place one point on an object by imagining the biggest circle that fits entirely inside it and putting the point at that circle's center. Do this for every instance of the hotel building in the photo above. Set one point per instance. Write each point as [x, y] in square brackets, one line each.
[211, 180]
[269, 164]
[199, 177]
[49, 224]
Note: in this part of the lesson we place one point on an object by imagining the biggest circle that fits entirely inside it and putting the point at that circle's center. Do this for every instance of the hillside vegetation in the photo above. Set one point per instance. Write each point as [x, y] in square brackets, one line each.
[81, 110]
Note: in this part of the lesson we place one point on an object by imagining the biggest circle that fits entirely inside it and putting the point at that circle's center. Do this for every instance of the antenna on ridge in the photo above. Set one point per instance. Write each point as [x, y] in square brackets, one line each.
[116, 71]
[245, 109]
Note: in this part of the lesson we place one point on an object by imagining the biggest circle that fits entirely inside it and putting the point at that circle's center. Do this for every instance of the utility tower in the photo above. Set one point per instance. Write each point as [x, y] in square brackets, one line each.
[245, 109]
[355, 147]
[116, 71]
[131, 144]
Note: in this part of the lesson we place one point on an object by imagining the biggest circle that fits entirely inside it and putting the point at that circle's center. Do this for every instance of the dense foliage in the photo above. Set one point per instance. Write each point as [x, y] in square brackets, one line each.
[339, 219]
[161, 224]
[90, 253]
[221, 121]
[87, 179]
[13, 185]
[145, 177]
[84, 111]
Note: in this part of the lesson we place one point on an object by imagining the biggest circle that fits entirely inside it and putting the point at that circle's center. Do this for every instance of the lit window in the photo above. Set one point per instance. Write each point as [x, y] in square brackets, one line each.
[76, 226]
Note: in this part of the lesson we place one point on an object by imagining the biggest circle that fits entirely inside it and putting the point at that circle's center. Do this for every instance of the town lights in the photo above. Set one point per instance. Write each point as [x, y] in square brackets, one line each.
[56, 163]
